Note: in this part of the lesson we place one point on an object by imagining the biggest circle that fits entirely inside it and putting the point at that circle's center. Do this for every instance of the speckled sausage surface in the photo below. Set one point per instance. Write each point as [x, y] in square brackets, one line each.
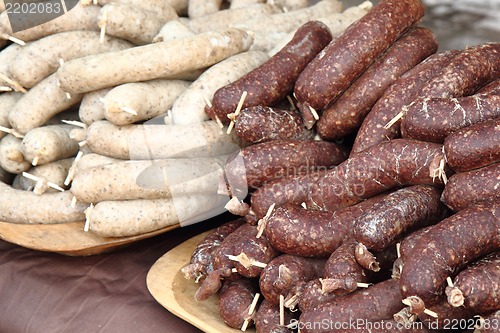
[399, 94]
[376, 302]
[477, 287]
[244, 240]
[474, 147]
[446, 248]
[408, 208]
[260, 124]
[235, 299]
[284, 272]
[290, 189]
[348, 112]
[469, 71]
[241, 242]
[18, 206]
[311, 233]
[201, 262]
[396, 163]
[433, 119]
[350, 54]
[274, 79]
[466, 189]
[491, 88]
[409, 242]
[267, 319]
[309, 295]
[260, 163]
[342, 271]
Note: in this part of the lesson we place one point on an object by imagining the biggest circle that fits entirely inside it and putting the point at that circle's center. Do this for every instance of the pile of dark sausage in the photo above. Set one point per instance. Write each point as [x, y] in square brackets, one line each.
[372, 203]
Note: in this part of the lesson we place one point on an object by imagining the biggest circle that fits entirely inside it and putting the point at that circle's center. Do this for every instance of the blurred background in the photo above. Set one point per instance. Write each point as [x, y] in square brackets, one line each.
[459, 23]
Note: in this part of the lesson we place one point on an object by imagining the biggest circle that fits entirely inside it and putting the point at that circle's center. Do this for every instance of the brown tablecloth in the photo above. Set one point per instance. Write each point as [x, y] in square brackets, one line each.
[51, 293]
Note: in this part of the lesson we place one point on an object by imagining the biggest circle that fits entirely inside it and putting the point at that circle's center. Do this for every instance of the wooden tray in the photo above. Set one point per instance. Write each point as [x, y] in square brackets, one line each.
[67, 238]
[169, 287]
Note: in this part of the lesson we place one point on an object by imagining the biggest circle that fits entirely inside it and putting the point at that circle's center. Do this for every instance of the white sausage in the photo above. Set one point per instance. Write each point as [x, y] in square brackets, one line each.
[197, 8]
[173, 30]
[7, 102]
[11, 158]
[134, 24]
[157, 6]
[46, 144]
[92, 106]
[231, 17]
[160, 141]
[17, 206]
[135, 217]
[129, 180]
[7, 56]
[41, 58]
[148, 62]
[189, 108]
[79, 18]
[39, 104]
[54, 172]
[133, 102]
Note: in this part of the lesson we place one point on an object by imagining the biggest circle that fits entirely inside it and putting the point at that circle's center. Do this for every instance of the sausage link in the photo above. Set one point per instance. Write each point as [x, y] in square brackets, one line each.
[347, 113]
[491, 88]
[260, 124]
[244, 243]
[342, 270]
[294, 230]
[244, 240]
[11, 157]
[387, 165]
[256, 164]
[474, 147]
[274, 79]
[284, 272]
[350, 54]
[477, 286]
[267, 319]
[446, 248]
[374, 303]
[289, 189]
[235, 299]
[201, 262]
[466, 73]
[399, 94]
[433, 119]
[18, 206]
[309, 295]
[408, 208]
[466, 189]
[46, 144]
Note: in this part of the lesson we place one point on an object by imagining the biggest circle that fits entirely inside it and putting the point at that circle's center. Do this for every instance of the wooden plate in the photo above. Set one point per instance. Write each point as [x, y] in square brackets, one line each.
[67, 238]
[169, 287]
